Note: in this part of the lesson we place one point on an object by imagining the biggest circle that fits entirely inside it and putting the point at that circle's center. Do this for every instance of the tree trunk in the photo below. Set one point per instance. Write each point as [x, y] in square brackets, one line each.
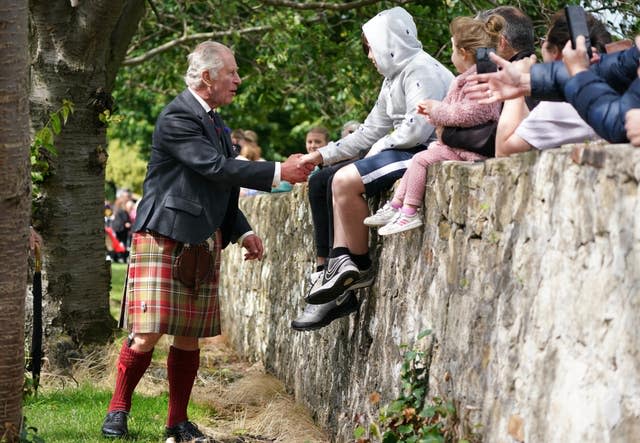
[15, 199]
[76, 52]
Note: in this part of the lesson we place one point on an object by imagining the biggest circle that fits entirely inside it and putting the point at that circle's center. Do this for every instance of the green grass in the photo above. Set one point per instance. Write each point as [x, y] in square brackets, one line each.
[75, 415]
[118, 272]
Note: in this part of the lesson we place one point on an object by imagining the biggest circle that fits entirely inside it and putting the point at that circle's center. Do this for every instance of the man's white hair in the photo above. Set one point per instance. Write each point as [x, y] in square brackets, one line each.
[206, 57]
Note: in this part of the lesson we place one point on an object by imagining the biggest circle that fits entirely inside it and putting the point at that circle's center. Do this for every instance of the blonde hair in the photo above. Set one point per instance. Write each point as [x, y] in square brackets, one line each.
[470, 33]
[250, 135]
[251, 151]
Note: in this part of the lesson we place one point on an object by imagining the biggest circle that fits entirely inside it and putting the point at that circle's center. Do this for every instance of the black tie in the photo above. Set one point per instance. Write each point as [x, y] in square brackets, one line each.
[219, 126]
[215, 118]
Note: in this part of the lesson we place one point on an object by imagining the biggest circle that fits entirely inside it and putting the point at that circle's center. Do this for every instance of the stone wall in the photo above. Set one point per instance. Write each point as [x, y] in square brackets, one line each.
[528, 272]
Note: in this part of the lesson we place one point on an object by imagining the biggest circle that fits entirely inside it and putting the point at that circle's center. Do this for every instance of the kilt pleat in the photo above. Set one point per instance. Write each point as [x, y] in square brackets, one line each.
[155, 302]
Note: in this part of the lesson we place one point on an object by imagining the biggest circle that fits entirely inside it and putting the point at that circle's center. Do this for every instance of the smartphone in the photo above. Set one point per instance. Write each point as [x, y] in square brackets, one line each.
[577, 23]
[483, 62]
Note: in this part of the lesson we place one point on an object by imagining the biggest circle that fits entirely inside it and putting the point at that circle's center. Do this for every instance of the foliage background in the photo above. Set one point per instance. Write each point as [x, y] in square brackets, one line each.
[301, 62]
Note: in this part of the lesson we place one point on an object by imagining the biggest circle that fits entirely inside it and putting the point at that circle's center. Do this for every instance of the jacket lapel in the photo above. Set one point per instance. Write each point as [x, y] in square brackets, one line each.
[224, 140]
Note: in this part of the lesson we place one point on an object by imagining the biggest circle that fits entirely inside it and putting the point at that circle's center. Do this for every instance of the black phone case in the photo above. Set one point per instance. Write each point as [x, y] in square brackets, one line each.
[577, 23]
[483, 62]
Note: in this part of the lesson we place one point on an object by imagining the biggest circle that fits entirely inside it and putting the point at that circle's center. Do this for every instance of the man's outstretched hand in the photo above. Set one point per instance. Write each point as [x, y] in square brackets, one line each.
[295, 171]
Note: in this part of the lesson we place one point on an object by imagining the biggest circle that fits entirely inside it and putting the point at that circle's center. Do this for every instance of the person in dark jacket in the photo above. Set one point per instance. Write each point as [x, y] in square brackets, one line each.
[188, 213]
[597, 102]
[602, 92]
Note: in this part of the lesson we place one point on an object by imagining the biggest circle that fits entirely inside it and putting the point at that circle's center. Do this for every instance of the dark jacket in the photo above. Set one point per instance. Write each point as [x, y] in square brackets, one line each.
[602, 107]
[192, 183]
[618, 70]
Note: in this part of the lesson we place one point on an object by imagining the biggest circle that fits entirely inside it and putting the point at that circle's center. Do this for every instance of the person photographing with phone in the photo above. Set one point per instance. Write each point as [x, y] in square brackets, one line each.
[602, 89]
[467, 36]
[551, 123]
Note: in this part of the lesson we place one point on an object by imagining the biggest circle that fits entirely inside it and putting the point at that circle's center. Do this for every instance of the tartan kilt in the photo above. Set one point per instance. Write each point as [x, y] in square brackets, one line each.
[153, 301]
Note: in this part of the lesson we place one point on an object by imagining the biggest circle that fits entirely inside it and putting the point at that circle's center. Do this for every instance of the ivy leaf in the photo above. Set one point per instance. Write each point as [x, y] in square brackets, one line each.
[55, 123]
[46, 137]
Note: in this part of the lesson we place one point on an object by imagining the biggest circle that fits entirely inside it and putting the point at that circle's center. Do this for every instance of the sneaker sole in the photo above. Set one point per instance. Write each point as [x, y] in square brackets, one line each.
[345, 281]
[114, 435]
[376, 224]
[398, 231]
[334, 314]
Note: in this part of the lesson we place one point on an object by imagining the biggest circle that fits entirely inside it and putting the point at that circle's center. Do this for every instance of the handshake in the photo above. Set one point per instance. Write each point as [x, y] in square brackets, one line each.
[297, 167]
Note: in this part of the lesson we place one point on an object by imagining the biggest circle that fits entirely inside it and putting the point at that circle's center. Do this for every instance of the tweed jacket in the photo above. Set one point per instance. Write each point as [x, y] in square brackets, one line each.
[192, 184]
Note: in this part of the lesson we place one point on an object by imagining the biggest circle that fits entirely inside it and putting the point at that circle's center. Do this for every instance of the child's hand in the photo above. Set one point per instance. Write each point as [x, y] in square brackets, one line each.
[439, 130]
[426, 106]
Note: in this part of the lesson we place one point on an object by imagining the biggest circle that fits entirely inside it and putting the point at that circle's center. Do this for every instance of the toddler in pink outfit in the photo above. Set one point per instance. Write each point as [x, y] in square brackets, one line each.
[467, 34]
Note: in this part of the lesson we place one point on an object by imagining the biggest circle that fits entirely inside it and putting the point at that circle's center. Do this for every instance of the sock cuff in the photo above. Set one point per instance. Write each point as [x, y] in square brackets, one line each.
[409, 211]
[336, 252]
[128, 355]
[395, 205]
[182, 357]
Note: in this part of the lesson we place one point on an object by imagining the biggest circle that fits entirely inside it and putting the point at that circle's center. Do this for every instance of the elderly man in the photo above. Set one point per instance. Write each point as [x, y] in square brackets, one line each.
[188, 213]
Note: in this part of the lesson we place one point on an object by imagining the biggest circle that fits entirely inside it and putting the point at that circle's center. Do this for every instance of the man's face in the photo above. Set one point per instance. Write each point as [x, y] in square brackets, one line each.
[314, 141]
[223, 88]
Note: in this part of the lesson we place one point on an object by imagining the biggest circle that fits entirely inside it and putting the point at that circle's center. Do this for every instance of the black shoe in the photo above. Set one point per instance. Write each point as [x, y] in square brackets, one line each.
[185, 431]
[115, 424]
[319, 316]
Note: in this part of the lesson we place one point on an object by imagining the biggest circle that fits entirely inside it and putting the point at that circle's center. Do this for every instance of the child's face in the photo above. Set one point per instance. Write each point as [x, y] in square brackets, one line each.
[315, 141]
[459, 58]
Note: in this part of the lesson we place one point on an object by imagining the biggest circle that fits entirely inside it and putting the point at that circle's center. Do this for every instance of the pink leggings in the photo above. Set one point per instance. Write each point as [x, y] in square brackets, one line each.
[412, 186]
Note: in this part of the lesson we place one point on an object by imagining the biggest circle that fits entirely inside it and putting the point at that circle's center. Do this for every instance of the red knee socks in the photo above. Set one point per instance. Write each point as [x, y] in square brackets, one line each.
[182, 367]
[131, 368]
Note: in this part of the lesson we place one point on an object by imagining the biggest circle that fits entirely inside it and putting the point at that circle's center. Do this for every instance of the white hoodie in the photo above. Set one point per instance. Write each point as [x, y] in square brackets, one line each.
[410, 76]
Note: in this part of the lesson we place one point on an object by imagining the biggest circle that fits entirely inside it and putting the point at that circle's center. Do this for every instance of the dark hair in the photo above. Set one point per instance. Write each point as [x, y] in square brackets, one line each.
[365, 45]
[518, 29]
[558, 34]
[319, 130]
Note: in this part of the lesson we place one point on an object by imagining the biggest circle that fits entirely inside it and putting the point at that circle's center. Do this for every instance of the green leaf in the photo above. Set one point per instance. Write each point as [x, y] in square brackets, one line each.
[405, 429]
[55, 123]
[396, 407]
[46, 137]
[424, 333]
[358, 432]
[428, 411]
[389, 437]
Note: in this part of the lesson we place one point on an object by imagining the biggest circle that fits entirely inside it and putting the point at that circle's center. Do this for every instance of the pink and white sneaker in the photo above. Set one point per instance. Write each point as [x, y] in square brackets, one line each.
[400, 223]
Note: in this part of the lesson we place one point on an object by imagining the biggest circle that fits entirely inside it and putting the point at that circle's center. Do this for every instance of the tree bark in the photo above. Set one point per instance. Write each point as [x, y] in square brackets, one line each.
[76, 52]
[15, 198]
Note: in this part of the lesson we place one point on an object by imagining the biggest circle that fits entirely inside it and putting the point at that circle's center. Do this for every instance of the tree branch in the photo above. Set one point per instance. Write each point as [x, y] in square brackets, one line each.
[325, 5]
[132, 61]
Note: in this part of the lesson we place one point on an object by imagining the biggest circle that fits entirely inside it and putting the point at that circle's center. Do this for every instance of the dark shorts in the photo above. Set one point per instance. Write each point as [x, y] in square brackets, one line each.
[381, 171]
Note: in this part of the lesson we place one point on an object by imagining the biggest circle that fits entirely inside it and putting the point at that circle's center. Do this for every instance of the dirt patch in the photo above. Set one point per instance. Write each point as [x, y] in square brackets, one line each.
[253, 405]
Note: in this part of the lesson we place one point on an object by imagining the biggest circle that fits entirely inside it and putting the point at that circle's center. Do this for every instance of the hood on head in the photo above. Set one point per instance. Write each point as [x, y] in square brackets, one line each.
[393, 39]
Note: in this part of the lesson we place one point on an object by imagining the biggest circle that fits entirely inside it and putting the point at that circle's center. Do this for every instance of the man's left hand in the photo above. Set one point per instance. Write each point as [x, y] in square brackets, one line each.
[253, 244]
